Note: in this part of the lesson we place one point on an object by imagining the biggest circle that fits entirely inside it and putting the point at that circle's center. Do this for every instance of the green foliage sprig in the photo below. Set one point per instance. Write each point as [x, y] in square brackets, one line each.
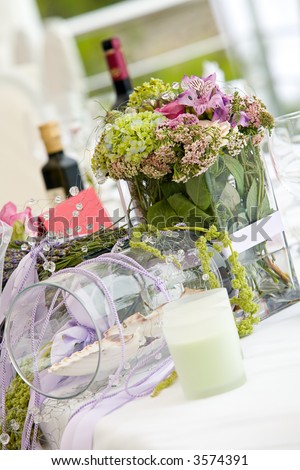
[137, 242]
[164, 384]
[244, 298]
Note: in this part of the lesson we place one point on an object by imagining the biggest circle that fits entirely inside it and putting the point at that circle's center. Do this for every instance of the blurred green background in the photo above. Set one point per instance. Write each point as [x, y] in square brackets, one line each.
[147, 37]
[67, 8]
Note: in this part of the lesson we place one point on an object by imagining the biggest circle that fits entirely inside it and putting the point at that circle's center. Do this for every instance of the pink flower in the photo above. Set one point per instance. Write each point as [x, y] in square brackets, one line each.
[9, 214]
[200, 93]
[171, 110]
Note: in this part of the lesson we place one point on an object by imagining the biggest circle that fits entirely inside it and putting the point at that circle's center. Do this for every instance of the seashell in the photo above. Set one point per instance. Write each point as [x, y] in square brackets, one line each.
[188, 291]
[85, 362]
[149, 325]
[135, 328]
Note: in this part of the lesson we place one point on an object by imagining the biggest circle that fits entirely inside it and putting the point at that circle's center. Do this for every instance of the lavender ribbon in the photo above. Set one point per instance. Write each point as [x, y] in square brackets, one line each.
[24, 275]
[79, 432]
[65, 341]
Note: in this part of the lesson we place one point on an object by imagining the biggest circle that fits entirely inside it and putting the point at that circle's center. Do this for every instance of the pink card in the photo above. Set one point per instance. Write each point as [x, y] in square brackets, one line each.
[78, 215]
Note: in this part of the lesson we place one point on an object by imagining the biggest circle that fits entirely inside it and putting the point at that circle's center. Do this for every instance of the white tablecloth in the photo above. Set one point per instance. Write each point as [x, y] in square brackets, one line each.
[262, 414]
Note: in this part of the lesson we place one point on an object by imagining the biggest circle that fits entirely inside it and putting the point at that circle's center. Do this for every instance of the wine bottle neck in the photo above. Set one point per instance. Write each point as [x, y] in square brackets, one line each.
[122, 87]
[50, 134]
[116, 64]
[56, 155]
[118, 70]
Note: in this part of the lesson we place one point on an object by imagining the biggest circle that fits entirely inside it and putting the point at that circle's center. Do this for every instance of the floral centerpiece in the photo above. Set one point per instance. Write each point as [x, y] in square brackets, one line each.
[173, 134]
[191, 154]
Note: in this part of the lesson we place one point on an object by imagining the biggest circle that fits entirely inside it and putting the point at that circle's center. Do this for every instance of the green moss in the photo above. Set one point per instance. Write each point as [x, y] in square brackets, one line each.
[16, 400]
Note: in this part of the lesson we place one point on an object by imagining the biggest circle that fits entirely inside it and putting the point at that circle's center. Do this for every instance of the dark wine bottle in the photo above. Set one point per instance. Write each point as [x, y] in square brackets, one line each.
[118, 71]
[60, 173]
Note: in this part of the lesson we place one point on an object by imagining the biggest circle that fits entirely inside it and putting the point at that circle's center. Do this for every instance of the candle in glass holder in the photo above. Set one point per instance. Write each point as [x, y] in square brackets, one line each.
[203, 340]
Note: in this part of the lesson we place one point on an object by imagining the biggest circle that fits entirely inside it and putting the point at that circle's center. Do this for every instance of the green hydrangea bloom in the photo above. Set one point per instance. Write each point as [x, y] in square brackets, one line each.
[143, 94]
[100, 157]
[125, 143]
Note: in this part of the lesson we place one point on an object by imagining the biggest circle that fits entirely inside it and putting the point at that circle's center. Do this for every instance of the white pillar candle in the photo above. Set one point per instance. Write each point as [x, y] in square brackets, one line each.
[203, 340]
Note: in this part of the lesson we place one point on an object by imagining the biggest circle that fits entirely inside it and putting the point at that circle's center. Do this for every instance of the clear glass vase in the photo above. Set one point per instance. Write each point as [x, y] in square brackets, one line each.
[284, 147]
[236, 195]
[243, 203]
[179, 247]
[87, 328]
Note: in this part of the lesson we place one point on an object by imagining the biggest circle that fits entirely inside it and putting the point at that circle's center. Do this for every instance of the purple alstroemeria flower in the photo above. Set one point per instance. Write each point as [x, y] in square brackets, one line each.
[222, 112]
[200, 93]
[243, 120]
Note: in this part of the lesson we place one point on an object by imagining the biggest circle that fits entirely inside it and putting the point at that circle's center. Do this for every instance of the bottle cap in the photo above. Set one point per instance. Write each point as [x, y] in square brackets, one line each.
[51, 136]
[112, 43]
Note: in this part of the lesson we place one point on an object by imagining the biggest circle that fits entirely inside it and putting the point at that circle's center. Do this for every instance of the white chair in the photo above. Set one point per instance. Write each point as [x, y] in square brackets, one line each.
[21, 157]
[62, 72]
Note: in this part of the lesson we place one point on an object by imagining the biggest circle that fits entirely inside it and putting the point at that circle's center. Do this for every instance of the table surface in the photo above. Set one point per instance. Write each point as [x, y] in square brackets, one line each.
[262, 414]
